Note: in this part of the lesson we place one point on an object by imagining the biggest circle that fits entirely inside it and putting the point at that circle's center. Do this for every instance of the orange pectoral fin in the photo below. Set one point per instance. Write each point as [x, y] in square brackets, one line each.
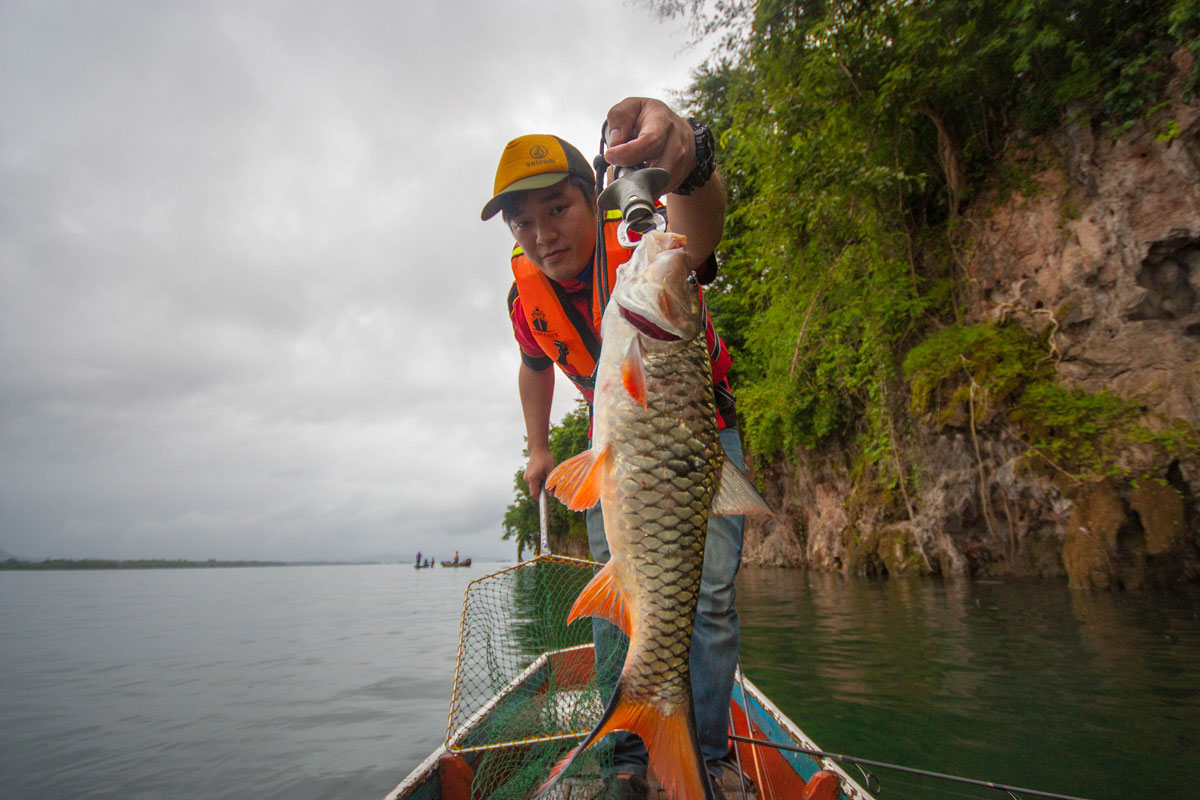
[603, 597]
[632, 373]
[577, 481]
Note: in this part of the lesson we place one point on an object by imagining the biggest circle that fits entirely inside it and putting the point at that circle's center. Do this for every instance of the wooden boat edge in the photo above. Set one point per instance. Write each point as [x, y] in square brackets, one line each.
[850, 788]
[418, 777]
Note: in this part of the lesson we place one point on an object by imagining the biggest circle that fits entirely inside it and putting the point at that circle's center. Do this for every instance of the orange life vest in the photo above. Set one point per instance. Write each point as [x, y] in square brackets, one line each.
[554, 320]
[563, 333]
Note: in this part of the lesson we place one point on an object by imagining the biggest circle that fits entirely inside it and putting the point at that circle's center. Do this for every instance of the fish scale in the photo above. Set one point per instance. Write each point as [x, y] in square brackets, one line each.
[671, 452]
[658, 469]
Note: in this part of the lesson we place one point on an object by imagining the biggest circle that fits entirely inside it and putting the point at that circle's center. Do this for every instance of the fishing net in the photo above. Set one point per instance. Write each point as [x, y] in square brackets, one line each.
[525, 688]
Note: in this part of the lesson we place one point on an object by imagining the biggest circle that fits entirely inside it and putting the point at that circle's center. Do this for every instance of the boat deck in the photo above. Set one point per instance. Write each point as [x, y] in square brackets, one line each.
[587, 788]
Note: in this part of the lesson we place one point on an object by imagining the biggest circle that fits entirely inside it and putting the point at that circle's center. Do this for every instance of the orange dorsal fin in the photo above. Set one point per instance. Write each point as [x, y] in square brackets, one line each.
[577, 481]
[632, 373]
[603, 597]
[737, 494]
[670, 740]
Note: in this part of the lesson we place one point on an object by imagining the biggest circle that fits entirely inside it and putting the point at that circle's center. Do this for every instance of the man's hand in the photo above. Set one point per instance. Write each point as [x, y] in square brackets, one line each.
[641, 129]
[540, 465]
[644, 130]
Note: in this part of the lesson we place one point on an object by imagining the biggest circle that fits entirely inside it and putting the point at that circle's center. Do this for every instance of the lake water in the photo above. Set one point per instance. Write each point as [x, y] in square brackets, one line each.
[333, 681]
[1028, 684]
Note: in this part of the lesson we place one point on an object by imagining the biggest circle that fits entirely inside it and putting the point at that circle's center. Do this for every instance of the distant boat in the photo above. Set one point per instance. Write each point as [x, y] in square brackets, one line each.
[463, 563]
[426, 565]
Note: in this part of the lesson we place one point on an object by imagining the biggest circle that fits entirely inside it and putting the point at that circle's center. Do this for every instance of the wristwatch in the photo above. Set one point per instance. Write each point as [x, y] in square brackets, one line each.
[706, 162]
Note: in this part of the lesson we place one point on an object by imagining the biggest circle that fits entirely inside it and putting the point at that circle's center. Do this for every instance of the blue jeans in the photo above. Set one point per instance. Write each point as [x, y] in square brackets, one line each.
[715, 634]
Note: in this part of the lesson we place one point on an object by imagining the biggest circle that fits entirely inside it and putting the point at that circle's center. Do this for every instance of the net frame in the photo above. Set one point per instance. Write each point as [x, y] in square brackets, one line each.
[485, 645]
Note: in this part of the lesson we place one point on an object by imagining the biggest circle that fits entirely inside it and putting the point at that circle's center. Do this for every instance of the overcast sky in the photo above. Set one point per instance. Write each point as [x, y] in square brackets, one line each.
[247, 306]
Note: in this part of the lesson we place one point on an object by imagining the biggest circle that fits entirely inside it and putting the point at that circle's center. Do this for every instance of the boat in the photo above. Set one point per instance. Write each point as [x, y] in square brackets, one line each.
[768, 773]
[466, 562]
[426, 565]
[525, 691]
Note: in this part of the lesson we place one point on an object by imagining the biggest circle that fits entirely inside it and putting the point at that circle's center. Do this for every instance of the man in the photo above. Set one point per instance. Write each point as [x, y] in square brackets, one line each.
[545, 189]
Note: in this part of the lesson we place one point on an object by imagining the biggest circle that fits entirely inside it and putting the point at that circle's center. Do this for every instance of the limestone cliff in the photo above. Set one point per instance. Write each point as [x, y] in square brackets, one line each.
[1097, 255]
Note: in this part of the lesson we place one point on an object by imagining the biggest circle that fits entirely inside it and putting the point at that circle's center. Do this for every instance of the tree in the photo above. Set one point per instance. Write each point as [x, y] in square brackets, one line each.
[568, 437]
[851, 134]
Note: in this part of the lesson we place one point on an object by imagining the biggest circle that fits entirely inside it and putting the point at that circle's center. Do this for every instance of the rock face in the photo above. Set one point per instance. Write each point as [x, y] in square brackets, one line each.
[1127, 543]
[1111, 258]
[1095, 531]
[1100, 254]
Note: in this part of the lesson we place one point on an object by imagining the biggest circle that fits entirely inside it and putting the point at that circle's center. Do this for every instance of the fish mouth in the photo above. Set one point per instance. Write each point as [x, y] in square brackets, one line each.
[647, 327]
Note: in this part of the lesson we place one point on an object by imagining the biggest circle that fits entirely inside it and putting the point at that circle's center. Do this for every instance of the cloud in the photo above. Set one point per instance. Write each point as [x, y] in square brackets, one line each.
[247, 308]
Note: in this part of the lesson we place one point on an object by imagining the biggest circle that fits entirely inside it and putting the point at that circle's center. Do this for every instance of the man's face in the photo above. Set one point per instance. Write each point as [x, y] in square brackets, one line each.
[556, 227]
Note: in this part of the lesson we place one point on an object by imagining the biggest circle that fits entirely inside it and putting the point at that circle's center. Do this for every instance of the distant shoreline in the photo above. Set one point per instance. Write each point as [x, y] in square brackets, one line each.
[145, 563]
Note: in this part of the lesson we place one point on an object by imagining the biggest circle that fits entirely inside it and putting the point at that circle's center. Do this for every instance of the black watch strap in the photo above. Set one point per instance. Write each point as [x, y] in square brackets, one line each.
[706, 162]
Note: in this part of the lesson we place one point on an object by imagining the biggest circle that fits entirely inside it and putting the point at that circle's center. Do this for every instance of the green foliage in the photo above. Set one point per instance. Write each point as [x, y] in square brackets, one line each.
[970, 375]
[1076, 431]
[521, 525]
[999, 360]
[851, 135]
[1169, 131]
[1089, 435]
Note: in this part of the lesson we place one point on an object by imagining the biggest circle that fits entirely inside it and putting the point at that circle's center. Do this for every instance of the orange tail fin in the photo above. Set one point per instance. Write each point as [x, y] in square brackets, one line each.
[670, 740]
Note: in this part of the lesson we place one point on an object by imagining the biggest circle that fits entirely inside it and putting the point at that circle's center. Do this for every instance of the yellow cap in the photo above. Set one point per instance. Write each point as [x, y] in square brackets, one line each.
[534, 161]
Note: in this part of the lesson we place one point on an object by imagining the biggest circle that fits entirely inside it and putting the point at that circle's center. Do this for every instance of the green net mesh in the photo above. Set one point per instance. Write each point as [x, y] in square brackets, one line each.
[525, 689]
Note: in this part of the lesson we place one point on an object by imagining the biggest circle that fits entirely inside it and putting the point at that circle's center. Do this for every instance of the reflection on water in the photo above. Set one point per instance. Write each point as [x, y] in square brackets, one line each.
[1022, 683]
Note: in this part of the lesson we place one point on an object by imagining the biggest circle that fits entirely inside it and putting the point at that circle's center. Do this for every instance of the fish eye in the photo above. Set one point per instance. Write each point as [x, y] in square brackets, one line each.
[692, 280]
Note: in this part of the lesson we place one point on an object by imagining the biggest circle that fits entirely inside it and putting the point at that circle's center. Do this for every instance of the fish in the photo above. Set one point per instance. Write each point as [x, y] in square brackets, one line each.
[658, 469]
